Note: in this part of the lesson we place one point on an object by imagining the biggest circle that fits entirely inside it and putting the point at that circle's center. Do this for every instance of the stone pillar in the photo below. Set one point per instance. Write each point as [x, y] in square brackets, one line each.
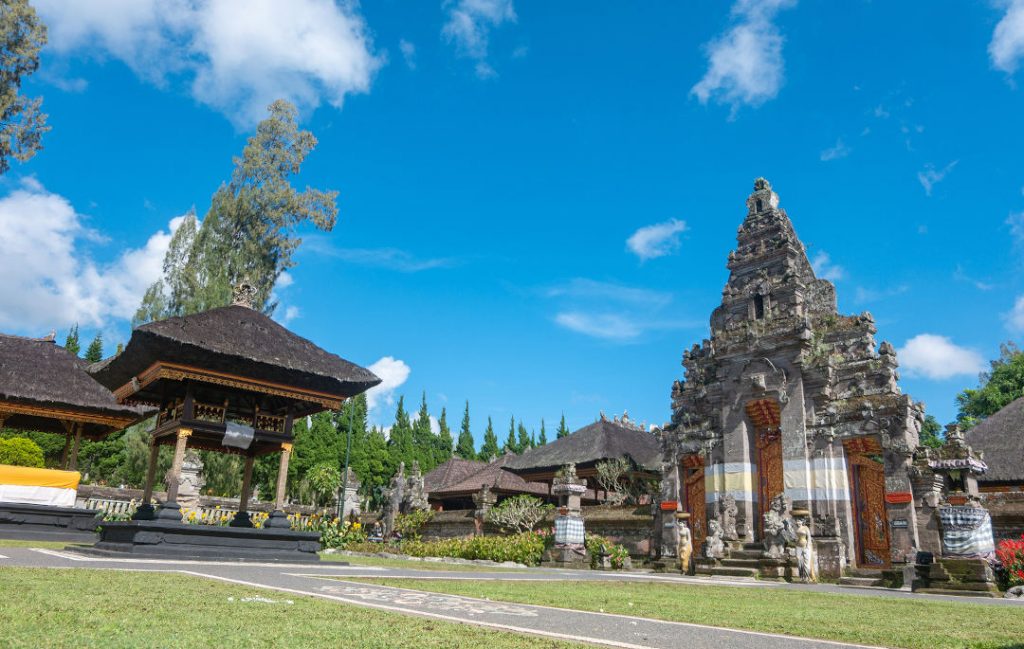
[278, 519]
[171, 510]
[483, 500]
[241, 519]
[899, 505]
[190, 482]
[569, 549]
[145, 510]
[73, 463]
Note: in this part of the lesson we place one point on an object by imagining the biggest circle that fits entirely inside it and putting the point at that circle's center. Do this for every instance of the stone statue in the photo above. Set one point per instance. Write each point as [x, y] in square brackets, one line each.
[728, 509]
[393, 497]
[190, 482]
[778, 528]
[714, 546]
[684, 549]
[805, 560]
[416, 493]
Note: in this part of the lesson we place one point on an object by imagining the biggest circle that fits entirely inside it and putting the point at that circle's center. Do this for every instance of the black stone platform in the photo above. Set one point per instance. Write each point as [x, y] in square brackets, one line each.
[158, 539]
[46, 523]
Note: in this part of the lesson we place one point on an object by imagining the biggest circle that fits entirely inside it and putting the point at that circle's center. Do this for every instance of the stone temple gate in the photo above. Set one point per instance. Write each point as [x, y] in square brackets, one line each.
[790, 397]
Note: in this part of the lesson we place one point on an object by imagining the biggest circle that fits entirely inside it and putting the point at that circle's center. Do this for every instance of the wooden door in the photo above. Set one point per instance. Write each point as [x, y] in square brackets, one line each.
[770, 481]
[871, 525]
[693, 488]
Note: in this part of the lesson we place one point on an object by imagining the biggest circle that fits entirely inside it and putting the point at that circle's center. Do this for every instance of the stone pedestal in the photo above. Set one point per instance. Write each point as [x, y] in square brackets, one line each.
[484, 500]
[190, 480]
[957, 577]
[570, 550]
[783, 568]
[831, 556]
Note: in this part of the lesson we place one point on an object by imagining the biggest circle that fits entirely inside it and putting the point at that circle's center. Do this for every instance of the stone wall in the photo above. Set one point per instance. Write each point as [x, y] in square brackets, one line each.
[1007, 510]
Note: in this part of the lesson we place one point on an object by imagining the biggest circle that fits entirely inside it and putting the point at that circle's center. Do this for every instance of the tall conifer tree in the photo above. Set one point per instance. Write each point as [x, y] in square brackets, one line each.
[72, 343]
[400, 440]
[563, 430]
[490, 449]
[465, 447]
[444, 438]
[511, 445]
[543, 434]
[524, 442]
[94, 354]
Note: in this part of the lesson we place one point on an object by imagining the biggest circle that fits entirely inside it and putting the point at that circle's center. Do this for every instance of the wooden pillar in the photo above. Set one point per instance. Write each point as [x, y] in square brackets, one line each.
[154, 455]
[282, 476]
[64, 453]
[73, 463]
[174, 475]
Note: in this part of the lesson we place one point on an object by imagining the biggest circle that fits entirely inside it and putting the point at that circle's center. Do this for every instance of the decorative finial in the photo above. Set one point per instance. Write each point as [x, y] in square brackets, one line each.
[52, 336]
[761, 183]
[243, 294]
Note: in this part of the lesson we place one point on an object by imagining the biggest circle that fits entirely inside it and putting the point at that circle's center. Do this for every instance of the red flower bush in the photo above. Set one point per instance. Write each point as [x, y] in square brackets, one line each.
[1011, 554]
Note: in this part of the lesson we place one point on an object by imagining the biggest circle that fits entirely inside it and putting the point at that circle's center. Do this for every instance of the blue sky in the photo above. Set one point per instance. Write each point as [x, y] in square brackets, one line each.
[537, 199]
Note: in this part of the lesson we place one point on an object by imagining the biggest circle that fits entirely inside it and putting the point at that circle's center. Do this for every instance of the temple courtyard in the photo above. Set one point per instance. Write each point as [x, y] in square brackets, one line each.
[372, 602]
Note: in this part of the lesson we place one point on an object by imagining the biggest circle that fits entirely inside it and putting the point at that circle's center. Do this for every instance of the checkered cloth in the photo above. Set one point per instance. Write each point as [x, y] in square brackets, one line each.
[568, 530]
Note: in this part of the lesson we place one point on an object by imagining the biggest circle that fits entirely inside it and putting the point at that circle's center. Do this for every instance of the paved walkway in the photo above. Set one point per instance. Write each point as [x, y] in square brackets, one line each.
[321, 580]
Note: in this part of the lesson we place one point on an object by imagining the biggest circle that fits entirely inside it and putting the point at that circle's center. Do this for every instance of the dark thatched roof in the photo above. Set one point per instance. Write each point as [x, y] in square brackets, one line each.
[451, 471]
[240, 341]
[602, 440]
[1001, 437]
[493, 475]
[37, 372]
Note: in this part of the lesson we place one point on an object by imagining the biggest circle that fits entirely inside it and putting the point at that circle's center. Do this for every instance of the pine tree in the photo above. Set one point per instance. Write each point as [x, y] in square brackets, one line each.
[543, 435]
[22, 124]
[465, 447]
[563, 430]
[523, 443]
[490, 448]
[511, 445]
[424, 440]
[94, 354]
[444, 438]
[400, 441]
[71, 343]
[377, 468]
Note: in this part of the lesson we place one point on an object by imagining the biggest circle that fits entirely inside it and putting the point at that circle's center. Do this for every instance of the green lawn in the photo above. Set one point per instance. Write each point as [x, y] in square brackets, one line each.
[886, 621]
[44, 607]
[413, 565]
[18, 543]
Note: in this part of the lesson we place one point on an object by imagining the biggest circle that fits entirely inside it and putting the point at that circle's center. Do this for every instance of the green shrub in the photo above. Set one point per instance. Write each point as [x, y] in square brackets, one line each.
[526, 548]
[616, 553]
[19, 451]
[334, 532]
[408, 525]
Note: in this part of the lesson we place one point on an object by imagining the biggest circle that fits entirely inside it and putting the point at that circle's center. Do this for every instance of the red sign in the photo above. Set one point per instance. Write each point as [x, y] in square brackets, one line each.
[669, 506]
[899, 497]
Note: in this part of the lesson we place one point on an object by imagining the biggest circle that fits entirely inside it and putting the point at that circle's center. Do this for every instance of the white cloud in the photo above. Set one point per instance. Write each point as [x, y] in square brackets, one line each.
[1007, 46]
[468, 27]
[936, 357]
[408, 53]
[1016, 223]
[930, 176]
[656, 240]
[581, 287]
[621, 326]
[392, 373]
[745, 64]
[389, 258]
[840, 150]
[1015, 318]
[435, 426]
[284, 280]
[290, 313]
[863, 294]
[237, 56]
[51, 281]
[825, 269]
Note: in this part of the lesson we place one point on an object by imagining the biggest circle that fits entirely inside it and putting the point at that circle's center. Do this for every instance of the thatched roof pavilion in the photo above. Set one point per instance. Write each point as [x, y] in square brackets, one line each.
[1001, 437]
[484, 474]
[44, 387]
[602, 440]
[229, 380]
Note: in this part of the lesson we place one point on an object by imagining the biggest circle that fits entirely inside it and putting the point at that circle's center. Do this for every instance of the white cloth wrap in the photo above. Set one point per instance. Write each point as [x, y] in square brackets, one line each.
[238, 435]
[31, 495]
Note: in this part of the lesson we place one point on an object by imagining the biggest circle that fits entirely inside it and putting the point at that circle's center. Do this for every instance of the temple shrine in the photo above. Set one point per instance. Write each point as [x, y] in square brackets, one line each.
[789, 407]
[229, 380]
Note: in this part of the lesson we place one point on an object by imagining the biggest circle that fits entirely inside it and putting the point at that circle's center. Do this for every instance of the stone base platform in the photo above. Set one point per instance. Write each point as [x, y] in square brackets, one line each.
[971, 577]
[46, 523]
[565, 558]
[159, 539]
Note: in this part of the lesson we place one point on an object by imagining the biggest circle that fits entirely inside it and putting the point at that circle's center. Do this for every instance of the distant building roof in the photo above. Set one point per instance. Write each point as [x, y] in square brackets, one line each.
[604, 439]
[449, 472]
[493, 475]
[1001, 437]
[44, 384]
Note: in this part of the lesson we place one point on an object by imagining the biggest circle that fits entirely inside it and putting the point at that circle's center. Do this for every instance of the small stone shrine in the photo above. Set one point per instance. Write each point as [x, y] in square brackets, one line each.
[955, 529]
[569, 550]
[404, 494]
[788, 398]
[230, 380]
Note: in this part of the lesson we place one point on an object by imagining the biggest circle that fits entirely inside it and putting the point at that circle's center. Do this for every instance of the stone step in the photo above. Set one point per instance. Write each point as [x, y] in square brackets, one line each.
[741, 563]
[962, 593]
[866, 573]
[725, 571]
[745, 554]
[861, 581]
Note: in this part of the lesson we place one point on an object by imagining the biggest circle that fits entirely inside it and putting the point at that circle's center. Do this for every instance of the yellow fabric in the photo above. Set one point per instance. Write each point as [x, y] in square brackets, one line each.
[27, 476]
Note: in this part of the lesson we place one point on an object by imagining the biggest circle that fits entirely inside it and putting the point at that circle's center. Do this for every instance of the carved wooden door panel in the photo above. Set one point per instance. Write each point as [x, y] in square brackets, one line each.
[696, 506]
[770, 481]
[870, 521]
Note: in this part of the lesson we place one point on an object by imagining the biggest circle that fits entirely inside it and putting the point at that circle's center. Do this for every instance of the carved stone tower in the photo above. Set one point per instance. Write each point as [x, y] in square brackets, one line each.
[790, 397]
